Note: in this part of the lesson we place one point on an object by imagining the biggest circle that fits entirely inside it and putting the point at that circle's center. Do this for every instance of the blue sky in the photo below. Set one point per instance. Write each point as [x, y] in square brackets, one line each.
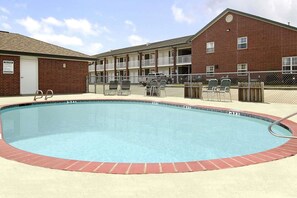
[93, 27]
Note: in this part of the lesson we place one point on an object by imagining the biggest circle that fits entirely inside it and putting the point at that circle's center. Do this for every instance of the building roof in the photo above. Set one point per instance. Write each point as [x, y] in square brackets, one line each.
[148, 46]
[12, 43]
[228, 10]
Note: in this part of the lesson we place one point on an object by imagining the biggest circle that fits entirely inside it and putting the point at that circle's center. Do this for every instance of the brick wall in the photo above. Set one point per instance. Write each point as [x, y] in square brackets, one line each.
[267, 44]
[71, 79]
[10, 83]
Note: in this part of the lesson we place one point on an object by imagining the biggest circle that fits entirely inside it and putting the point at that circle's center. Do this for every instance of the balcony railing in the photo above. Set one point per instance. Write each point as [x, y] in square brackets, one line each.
[134, 64]
[162, 61]
[109, 66]
[185, 59]
[165, 61]
[100, 67]
[121, 65]
[148, 62]
[91, 68]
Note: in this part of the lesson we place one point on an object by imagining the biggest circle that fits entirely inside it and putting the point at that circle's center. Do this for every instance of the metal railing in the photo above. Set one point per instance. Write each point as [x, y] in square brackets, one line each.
[148, 62]
[277, 123]
[184, 59]
[278, 87]
[39, 94]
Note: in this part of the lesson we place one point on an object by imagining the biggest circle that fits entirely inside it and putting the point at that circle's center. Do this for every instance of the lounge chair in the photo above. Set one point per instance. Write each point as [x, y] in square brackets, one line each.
[125, 88]
[224, 88]
[113, 88]
[211, 88]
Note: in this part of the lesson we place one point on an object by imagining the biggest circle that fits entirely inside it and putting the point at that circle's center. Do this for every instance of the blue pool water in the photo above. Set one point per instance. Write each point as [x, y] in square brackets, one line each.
[118, 131]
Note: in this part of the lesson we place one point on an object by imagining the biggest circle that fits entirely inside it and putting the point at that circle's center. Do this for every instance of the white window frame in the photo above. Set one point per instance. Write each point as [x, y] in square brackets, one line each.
[289, 65]
[242, 69]
[242, 42]
[210, 70]
[210, 47]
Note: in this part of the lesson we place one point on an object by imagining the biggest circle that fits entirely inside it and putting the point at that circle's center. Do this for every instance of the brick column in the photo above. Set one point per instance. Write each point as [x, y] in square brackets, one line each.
[96, 73]
[127, 66]
[156, 61]
[115, 66]
[104, 70]
[174, 59]
[140, 63]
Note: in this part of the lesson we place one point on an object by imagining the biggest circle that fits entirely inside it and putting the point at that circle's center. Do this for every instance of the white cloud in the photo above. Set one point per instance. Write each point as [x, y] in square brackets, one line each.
[30, 24]
[81, 25]
[131, 25]
[136, 40]
[180, 16]
[52, 21]
[4, 10]
[59, 39]
[74, 33]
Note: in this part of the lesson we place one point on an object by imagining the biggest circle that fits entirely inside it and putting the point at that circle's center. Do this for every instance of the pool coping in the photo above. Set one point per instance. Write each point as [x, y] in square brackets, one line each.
[285, 150]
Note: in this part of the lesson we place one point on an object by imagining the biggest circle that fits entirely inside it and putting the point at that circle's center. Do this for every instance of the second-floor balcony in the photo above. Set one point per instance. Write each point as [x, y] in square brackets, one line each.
[148, 62]
[121, 65]
[134, 64]
[109, 66]
[91, 68]
[185, 59]
[100, 67]
[164, 61]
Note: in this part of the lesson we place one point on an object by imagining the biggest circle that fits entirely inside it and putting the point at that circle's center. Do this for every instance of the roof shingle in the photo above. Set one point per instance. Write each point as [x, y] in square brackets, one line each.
[149, 46]
[23, 45]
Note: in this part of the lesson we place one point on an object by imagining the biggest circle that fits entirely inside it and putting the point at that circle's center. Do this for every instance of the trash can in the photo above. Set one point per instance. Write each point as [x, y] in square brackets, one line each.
[193, 90]
[251, 92]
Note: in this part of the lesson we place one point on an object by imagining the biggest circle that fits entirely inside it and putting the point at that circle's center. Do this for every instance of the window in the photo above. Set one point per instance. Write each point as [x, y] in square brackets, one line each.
[210, 47]
[242, 69]
[210, 71]
[242, 43]
[290, 65]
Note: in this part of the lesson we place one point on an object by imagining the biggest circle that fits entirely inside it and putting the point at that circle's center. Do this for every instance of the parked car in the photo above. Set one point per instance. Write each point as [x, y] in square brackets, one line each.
[144, 80]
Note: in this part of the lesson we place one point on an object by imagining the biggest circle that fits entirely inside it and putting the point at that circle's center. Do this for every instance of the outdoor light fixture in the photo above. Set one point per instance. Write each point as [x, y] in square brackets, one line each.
[64, 65]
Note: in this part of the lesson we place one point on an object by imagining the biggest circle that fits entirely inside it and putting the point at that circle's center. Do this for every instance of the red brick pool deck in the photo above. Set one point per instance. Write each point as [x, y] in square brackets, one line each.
[288, 149]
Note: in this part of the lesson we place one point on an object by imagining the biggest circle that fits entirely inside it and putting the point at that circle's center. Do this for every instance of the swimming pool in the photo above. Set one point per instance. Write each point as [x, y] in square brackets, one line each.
[136, 132]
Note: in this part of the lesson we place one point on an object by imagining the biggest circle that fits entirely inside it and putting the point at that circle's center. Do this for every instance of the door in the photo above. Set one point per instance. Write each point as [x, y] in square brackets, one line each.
[29, 75]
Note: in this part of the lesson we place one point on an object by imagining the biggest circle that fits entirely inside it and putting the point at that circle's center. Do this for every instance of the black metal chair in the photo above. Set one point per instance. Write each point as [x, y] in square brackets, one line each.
[113, 88]
[211, 88]
[125, 88]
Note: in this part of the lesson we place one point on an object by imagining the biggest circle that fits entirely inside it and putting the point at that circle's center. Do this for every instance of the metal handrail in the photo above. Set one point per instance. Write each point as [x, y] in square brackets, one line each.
[47, 94]
[278, 122]
[38, 95]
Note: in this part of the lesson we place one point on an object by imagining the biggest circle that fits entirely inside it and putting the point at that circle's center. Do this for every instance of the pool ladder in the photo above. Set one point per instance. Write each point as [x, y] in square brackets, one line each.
[278, 122]
[39, 94]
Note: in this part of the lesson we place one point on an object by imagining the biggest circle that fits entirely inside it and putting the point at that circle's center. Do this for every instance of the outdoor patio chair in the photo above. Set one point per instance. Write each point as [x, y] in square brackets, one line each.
[162, 87]
[113, 88]
[211, 88]
[224, 88]
[125, 88]
[152, 88]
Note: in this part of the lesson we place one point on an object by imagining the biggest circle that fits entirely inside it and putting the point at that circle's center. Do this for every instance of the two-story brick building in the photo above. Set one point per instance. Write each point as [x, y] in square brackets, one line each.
[233, 42]
[169, 56]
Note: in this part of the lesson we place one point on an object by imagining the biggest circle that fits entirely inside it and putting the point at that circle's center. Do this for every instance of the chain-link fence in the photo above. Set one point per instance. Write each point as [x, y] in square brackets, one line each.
[277, 87]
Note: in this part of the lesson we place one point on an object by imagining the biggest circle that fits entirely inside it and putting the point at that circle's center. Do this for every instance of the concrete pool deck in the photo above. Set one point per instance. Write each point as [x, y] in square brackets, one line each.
[271, 179]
